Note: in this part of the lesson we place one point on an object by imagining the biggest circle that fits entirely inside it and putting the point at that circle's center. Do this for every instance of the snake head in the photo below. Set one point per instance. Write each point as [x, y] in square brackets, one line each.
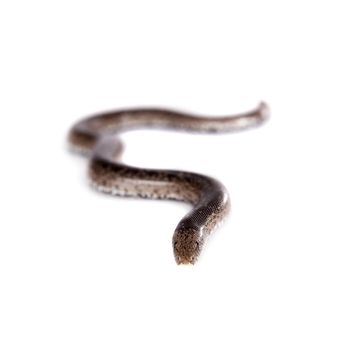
[187, 244]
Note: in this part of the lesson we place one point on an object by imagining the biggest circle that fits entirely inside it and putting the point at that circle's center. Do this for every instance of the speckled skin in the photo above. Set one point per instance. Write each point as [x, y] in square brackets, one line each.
[95, 137]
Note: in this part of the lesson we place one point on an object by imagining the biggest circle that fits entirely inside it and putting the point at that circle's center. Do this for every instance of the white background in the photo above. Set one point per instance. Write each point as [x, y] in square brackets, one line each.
[80, 270]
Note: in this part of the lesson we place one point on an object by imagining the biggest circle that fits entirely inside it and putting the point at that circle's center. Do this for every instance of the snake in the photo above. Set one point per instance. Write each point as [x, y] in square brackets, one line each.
[96, 137]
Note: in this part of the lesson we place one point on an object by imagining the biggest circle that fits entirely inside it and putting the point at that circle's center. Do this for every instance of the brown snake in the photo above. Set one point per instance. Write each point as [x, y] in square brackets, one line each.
[95, 137]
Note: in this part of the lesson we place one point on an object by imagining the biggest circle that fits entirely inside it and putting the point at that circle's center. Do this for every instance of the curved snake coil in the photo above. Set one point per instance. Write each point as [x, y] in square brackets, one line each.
[96, 138]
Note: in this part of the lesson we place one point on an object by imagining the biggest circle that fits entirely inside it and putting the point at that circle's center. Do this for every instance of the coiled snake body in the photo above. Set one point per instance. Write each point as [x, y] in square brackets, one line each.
[95, 136]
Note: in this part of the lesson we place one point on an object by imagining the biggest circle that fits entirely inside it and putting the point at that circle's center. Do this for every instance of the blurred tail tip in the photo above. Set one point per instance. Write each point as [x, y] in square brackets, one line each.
[264, 110]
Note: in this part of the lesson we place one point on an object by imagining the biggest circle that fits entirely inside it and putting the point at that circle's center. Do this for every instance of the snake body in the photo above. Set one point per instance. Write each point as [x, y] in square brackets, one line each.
[96, 137]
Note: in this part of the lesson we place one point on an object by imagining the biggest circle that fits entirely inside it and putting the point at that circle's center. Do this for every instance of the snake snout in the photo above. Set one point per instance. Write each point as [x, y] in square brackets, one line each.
[187, 246]
[185, 261]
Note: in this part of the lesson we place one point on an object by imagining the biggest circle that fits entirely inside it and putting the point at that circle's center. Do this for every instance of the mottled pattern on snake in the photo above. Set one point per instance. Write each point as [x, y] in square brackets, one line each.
[96, 137]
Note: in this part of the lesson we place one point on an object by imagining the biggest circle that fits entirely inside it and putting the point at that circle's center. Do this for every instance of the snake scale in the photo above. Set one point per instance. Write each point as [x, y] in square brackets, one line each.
[96, 137]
